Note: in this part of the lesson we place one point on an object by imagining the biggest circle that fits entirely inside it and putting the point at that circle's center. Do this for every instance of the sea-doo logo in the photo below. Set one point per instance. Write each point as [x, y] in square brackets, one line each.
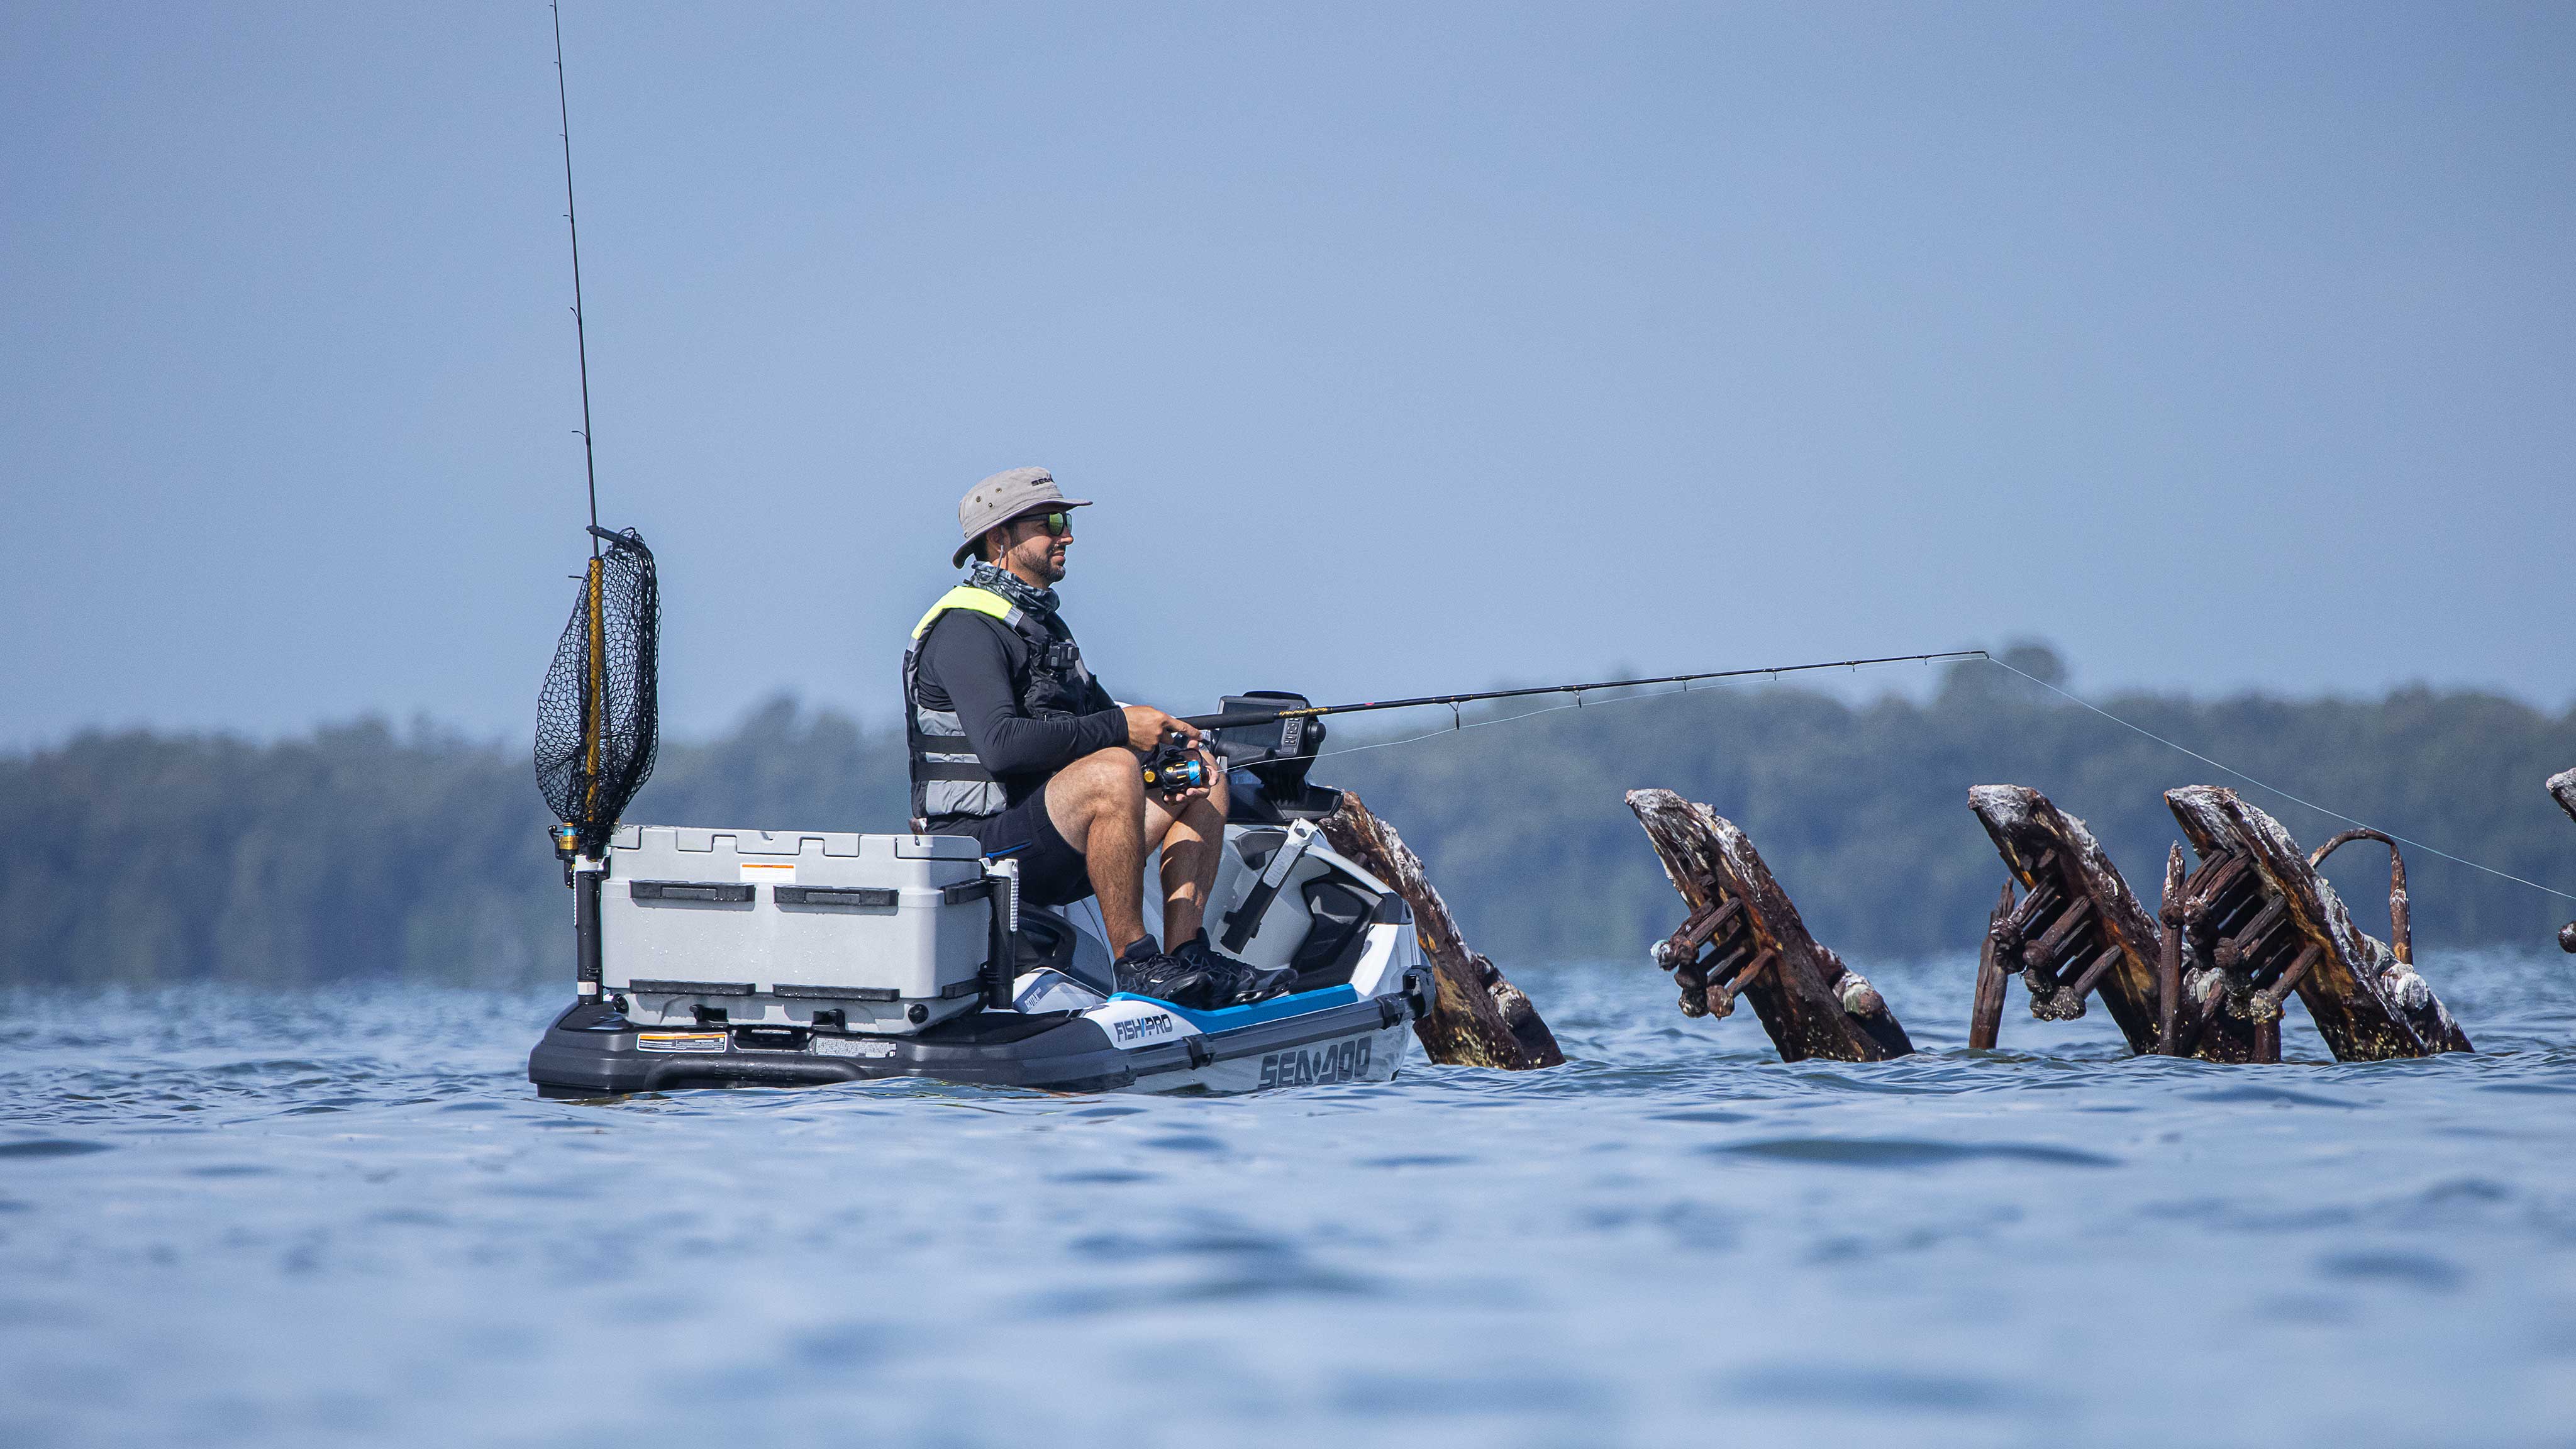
[1138, 1028]
[1339, 1063]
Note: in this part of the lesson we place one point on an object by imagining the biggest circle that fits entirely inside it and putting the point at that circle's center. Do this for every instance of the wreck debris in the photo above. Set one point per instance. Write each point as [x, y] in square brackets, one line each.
[2080, 932]
[2562, 788]
[2258, 915]
[1744, 940]
[1478, 1019]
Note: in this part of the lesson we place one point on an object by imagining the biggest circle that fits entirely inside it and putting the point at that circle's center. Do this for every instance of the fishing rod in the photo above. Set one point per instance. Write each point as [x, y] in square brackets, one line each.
[1234, 719]
[581, 339]
[1174, 767]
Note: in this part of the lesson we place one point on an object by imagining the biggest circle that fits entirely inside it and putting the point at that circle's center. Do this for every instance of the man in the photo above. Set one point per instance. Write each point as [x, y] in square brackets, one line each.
[1014, 743]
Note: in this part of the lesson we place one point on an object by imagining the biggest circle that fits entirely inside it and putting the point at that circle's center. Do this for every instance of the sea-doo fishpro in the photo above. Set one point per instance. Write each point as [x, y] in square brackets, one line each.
[792, 958]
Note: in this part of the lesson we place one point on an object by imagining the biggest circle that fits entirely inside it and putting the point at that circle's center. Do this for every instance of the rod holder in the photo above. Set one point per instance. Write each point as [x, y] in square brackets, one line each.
[1002, 887]
[587, 873]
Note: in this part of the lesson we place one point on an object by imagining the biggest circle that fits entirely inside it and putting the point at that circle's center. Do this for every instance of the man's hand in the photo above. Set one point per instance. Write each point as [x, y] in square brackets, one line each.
[1147, 725]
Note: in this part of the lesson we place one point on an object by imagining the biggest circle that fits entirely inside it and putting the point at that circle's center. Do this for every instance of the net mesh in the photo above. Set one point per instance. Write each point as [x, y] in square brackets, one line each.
[599, 716]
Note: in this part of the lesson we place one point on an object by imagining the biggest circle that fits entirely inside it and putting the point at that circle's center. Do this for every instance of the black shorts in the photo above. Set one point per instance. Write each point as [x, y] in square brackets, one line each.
[1052, 872]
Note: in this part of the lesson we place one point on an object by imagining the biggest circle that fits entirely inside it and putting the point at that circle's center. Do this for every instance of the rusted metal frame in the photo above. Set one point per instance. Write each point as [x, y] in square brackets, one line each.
[2367, 1004]
[1809, 1002]
[1702, 928]
[1709, 984]
[2401, 932]
[2044, 898]
[2297, 971]
[2249, 940]
[2217, 894]
[2221, 896]
[2069, 936]
[2235, 926]
[1721, 995]
[2094, 973]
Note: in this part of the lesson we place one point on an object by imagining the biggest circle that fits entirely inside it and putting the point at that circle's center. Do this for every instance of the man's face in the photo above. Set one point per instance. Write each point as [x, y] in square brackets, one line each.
[1033, 548]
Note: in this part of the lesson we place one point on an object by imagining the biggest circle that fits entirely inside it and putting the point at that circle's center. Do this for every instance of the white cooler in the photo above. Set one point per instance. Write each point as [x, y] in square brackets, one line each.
[869, 933]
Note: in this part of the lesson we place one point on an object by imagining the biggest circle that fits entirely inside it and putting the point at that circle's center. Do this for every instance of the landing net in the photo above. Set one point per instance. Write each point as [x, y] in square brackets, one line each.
[599, 716]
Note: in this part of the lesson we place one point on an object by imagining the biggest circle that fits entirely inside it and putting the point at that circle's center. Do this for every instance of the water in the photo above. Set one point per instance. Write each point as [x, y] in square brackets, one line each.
[277, 1220]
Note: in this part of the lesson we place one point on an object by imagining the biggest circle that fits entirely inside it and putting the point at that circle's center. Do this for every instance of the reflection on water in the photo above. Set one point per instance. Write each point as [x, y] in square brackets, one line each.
[267, 1219]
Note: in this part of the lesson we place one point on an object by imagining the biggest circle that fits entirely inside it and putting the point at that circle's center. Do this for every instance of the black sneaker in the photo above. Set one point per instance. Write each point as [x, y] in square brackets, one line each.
[1144, 969]
[1238, 982]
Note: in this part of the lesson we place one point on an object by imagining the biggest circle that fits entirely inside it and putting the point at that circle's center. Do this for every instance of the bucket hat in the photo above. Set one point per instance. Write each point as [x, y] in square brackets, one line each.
[1009, 494]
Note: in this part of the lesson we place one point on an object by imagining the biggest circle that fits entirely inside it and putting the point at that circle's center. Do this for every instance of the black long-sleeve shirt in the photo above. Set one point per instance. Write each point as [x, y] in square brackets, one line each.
[978, 666]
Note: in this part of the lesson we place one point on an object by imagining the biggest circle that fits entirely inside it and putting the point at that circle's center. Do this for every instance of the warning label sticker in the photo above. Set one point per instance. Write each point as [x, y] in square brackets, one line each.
[680, 1041]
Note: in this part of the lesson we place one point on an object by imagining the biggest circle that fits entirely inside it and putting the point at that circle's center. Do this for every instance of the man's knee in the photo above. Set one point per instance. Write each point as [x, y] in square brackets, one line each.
[1103, 781]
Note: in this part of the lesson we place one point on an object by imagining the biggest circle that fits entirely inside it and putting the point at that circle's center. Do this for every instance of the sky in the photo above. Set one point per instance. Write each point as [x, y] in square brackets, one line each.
[1403, 348]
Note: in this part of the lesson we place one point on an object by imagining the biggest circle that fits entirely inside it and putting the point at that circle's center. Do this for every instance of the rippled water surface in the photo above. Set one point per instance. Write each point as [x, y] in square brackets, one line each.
[269, 1219]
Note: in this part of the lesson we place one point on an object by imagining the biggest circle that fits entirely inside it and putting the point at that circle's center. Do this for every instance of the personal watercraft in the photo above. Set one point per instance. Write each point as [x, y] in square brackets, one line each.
[741, 957]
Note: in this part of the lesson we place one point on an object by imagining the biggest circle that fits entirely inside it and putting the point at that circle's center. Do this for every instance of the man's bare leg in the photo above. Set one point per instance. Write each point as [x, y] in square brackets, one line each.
[1098, 805]
[1191, 838]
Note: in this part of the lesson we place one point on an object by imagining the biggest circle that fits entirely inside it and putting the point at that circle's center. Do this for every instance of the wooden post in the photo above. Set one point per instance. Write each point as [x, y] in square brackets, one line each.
[2277, 912]
[1986, 1017]
[1809, 1001]
[1479, 1019]
[2562, 788]
[2169, 956]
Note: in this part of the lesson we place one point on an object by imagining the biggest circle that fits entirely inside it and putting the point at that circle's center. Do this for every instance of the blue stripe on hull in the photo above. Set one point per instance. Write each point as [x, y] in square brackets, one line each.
[1228, 1018]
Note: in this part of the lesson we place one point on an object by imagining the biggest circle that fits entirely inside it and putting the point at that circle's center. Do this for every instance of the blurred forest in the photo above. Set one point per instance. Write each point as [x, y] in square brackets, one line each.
[366, 851]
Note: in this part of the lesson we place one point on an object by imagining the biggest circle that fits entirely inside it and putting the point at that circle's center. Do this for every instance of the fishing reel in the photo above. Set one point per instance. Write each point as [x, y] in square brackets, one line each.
[1175, 767]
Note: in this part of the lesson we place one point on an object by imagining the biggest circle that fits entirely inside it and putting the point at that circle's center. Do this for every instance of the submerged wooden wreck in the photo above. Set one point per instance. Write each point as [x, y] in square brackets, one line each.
[1744, 940]
[1479, 1019]
[2562, 788]
[2231, 941]
[2079, 931]
[2260, 913]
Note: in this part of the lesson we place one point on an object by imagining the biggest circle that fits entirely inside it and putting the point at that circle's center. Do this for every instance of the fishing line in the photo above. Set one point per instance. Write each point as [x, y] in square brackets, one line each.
[2277, 790]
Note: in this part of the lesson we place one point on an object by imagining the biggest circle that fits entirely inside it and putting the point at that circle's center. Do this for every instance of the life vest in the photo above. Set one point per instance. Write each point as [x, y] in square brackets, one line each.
[948, 781]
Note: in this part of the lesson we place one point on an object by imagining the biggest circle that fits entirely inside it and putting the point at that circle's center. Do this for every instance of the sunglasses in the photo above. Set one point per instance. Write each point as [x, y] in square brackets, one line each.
[1057, 525]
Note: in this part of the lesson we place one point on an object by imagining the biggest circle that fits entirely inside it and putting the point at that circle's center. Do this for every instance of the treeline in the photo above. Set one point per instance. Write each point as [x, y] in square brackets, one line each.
[362, 852]
[358, 852]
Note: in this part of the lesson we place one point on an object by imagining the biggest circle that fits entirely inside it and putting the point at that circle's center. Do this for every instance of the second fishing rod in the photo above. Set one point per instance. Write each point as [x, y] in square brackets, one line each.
[1175, 766]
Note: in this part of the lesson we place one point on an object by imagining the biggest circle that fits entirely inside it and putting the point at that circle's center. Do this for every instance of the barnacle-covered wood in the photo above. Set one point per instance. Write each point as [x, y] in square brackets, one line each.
[2260, 915]
[1478, 1019]
[1743, 939]
[2562, 788]
[2079, 932]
